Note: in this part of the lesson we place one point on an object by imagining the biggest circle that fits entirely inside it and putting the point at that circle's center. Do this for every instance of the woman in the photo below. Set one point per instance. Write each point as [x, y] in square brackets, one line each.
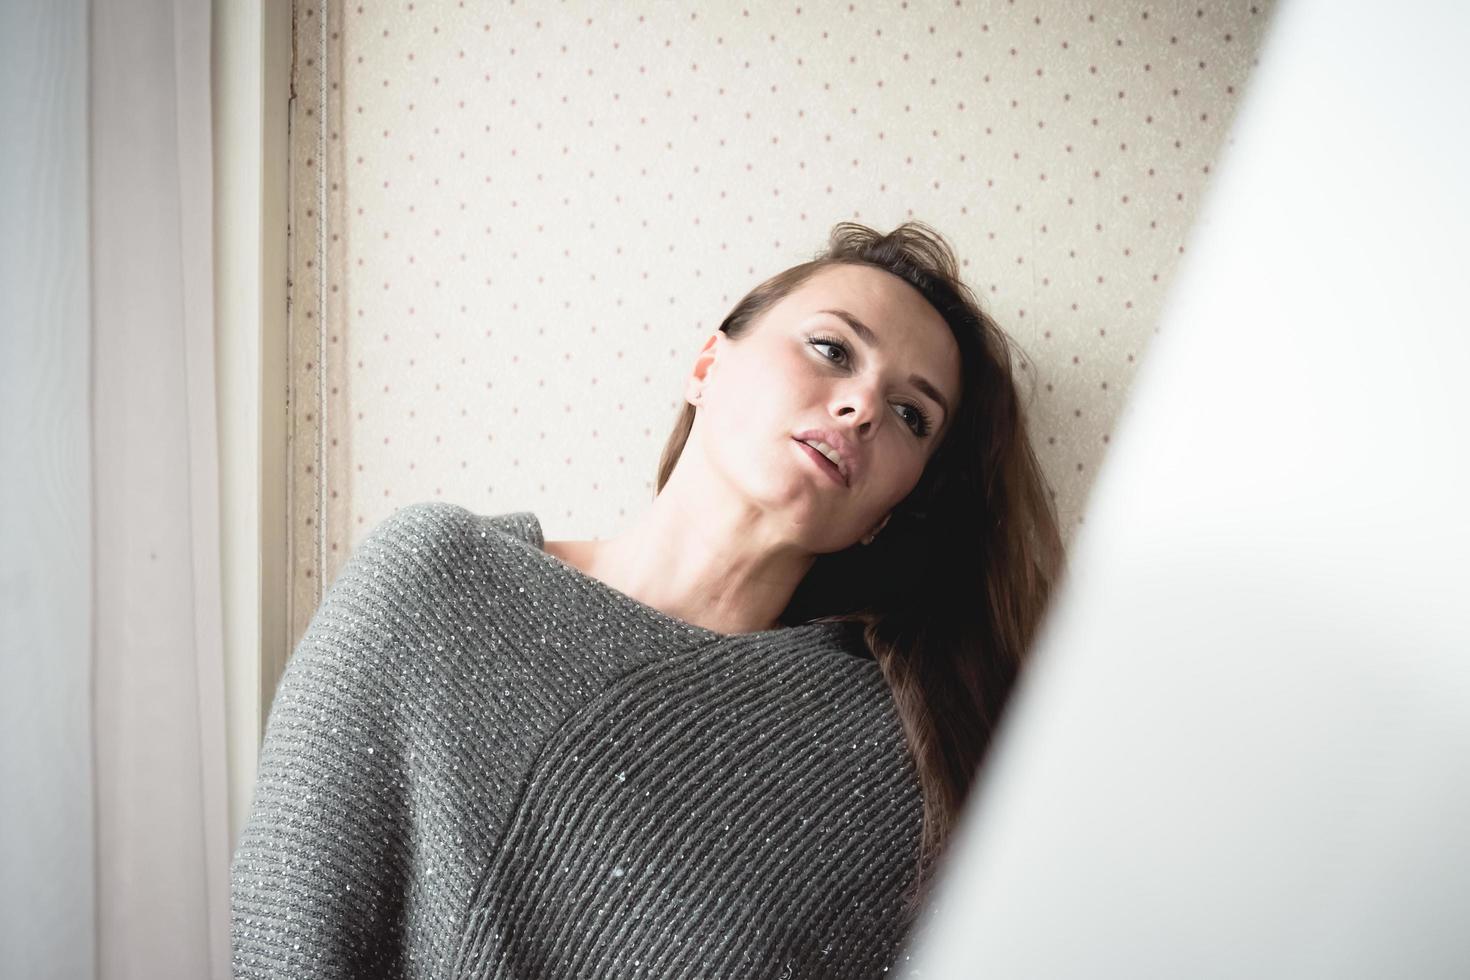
[732, 740]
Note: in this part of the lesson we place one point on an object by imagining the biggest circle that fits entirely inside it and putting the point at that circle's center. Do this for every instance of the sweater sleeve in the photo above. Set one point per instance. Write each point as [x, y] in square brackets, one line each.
[318, 877]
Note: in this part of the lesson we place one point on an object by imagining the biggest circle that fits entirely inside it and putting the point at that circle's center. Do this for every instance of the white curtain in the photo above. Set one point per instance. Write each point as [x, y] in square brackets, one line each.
[114, 840]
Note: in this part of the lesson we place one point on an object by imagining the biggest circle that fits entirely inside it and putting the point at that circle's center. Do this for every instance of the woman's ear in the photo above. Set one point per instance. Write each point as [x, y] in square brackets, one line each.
[699, 377]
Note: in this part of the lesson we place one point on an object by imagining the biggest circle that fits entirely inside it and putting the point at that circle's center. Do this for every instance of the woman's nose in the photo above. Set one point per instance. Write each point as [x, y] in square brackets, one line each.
[858, 409]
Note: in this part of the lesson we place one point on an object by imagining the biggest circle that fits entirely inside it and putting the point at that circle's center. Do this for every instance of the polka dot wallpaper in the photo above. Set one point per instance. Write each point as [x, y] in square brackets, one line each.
[513, 224]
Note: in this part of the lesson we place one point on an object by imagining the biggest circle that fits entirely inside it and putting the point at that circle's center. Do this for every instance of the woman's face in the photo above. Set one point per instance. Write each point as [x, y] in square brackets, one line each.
[885, 394]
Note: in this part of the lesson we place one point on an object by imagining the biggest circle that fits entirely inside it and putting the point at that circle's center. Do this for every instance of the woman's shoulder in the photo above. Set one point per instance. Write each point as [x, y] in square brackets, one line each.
[434, 523]
[413, 565]
[416, 559]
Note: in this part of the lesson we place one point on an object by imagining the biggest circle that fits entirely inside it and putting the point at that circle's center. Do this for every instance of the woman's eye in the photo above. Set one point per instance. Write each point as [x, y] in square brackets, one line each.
[920, 419]
[829, 342]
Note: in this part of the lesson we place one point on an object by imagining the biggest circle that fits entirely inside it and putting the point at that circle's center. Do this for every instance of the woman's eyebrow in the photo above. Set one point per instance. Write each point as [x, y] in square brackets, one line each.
[867, 336]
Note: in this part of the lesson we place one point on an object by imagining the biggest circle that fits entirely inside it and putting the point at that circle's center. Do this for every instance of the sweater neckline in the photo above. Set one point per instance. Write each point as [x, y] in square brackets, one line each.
[829, 630]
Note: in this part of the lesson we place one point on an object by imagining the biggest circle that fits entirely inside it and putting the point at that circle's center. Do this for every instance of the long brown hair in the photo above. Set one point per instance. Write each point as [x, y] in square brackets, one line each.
[976, 540]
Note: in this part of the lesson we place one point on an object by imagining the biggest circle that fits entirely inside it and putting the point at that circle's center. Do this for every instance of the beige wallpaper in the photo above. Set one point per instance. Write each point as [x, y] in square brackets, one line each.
[513, 224]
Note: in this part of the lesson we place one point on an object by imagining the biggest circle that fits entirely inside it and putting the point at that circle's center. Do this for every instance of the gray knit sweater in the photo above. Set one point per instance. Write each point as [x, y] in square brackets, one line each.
[483, 762]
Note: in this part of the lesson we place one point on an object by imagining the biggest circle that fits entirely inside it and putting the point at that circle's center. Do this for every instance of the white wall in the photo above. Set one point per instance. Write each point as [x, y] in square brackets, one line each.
[514, 226]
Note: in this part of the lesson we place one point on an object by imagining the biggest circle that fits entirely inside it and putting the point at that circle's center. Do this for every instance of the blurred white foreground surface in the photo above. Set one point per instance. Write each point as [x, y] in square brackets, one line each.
[1244, 749]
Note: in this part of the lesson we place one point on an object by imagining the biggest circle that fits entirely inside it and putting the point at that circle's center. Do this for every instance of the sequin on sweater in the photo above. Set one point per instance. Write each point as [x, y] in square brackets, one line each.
[483, 762]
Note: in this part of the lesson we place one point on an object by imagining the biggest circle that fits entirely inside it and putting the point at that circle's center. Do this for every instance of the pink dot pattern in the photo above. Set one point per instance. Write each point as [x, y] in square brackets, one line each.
[513, 224]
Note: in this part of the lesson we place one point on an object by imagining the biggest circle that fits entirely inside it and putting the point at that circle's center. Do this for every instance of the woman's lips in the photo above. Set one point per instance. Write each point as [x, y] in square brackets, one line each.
[825, 464]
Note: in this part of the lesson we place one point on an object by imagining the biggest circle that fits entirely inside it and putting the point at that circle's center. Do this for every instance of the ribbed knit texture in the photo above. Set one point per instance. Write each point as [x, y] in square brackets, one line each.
[483, 762]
